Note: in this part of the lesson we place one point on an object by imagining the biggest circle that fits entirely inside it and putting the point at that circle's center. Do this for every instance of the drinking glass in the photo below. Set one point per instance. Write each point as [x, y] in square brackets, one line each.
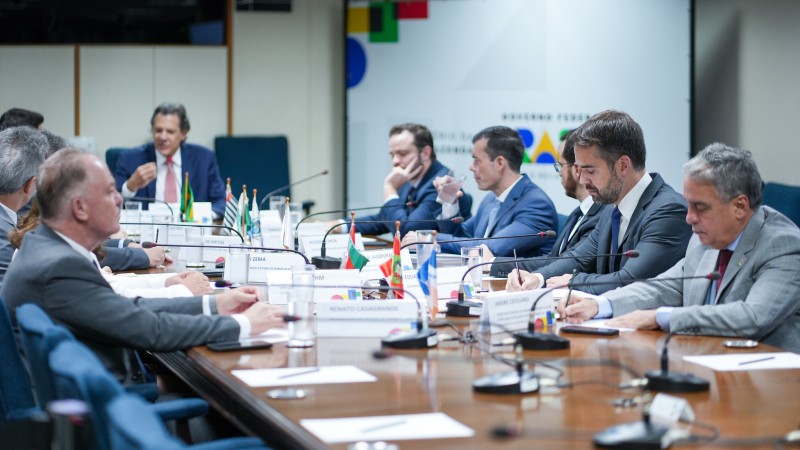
[300, 305]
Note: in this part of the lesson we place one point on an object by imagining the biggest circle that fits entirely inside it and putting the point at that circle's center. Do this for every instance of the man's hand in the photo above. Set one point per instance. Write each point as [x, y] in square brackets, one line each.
[263, 317]
[409, 238]
[157, 256]
[529, 281]
[196, 282]
[579, 310]
[143, 175]
[399, 176]
[559, 281]
[640, 320]
[236, 301]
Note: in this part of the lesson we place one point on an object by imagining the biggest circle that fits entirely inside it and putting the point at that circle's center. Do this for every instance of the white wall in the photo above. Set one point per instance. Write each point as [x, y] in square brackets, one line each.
[747, 81]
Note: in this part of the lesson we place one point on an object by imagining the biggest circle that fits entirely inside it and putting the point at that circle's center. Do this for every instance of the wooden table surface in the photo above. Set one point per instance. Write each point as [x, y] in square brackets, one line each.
[749, 404]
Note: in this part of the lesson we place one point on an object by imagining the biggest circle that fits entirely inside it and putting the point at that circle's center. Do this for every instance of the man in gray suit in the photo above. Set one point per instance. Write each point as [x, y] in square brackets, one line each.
[648, 215]
[22, 151]
[755, 248]
[56, 270]
[580, 222]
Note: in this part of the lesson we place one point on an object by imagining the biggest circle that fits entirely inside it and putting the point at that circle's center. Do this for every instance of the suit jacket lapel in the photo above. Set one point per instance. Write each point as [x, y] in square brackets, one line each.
[698, 288]
[743, 248]
[511, 199]
[644, 200]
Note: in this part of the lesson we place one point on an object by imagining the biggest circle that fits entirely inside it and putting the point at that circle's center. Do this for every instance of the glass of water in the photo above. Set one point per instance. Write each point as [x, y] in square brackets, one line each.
[470, 257]
[301, 306]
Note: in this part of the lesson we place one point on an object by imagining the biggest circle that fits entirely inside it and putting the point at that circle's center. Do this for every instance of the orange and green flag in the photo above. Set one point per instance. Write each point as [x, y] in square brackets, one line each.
[392, 268]
[355, 260]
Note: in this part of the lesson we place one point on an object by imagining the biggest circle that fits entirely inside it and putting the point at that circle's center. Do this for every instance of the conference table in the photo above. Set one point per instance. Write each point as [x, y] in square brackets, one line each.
[752, 407]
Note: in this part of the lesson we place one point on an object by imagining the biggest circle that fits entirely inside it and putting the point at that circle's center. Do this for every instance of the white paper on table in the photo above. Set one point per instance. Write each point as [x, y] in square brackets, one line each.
[273, 335]
[600, 323]
[325, 375]
[733, 361]
[387, 428]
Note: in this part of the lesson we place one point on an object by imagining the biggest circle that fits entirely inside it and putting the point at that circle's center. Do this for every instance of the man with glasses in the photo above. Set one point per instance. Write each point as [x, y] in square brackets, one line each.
[581, 220]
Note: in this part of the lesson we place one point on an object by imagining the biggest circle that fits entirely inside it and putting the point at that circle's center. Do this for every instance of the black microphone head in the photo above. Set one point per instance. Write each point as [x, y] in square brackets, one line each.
[457, 219]
[324, 172]
[222, 283]
[550, 234]
[380, 354]
[148, 244]
[290, 318]
[505, 431]
[632, 253]
[411, 204]
[714, 276]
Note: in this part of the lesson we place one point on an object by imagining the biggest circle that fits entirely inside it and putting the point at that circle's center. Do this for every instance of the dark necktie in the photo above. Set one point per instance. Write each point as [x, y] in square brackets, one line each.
[410, 202]
[571, 222]
[722, 264]
[616, 215]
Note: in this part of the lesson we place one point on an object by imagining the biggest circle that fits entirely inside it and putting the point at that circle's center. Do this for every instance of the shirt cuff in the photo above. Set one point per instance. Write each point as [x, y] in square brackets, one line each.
[448, 211]
[604, 310]
[244, 325]
[210, 305]
[126, 193]
[539, 277]
[663, 315]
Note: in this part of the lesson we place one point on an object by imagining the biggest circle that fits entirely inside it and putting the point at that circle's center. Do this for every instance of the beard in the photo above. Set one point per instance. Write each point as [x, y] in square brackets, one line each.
[570, 186]
[610, 193]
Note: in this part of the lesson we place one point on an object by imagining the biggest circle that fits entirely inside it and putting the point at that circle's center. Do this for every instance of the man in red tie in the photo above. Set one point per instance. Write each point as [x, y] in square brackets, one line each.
[156, 170]
[755, 249]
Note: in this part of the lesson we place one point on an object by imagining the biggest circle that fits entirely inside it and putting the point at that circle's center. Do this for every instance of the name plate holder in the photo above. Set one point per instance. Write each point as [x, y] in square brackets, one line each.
[511, 311]
[368, 318]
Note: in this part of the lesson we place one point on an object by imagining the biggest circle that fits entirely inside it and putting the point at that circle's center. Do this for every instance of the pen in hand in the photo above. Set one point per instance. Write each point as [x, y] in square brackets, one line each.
[516, 265]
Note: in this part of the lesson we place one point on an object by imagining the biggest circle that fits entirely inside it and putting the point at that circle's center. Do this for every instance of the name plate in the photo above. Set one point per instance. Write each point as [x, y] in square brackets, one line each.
[210, 254]
[264, 262]
[337, 285]
[504, 311]
[373, 318]
[336, 245]
[312, 228]
[372, 271]
[270, 221]
[279, 285]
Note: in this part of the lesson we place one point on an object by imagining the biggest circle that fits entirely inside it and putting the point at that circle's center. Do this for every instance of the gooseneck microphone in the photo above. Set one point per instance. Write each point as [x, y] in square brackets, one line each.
[147, 244]
[410, 204]
[153, 200]
[329, 262]
[187, 225]
[542, 234]
[464, 308]
[282, 188]
[665, 381]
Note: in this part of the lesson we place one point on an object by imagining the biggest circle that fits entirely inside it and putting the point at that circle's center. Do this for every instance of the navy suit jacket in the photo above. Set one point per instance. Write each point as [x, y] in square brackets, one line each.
[657, 229]
[585, 228]
[526, 210]
[199, 161]
[425, 208]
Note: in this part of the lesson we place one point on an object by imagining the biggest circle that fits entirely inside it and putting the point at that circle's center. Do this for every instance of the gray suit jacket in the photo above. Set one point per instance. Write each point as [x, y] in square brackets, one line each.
[51, 274]
[6, 249]
[501, 269]
[125, 258]
[657, 229]
[759, 296]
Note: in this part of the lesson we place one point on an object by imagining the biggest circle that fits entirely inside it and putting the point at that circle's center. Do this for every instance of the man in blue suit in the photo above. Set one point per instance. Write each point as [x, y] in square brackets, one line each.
[647, 214]
[408, 192]
[514, 205]
[156, 170]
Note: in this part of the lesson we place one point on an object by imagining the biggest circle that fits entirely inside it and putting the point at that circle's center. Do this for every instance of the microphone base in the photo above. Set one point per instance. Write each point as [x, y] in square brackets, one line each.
[675, 382]
[326, 262]
[532, 340]
[411, 340]
[507, 383]
[463, 308]
[634, 436]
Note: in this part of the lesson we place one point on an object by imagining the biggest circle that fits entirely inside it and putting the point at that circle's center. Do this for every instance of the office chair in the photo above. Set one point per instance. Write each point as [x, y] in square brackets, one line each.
[16, 393]
[784, 198]
[112, 154]
[79, 374]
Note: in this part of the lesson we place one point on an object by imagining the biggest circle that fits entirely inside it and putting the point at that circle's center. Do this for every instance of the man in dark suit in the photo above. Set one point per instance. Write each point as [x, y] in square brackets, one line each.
[56, 270]
[408, 192]
[514, 205]
[648, 215]
[22, 151]
[156, 170]
[755, 248]
[580, 222]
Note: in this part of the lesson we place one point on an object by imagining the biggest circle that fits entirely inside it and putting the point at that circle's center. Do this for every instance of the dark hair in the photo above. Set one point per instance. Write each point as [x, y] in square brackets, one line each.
[505, 142]
[615, 134]
[168, 108]
[422, 135]
[18, 117]
[569, 147]
[731, 171]
[54, 142]
[60, 178]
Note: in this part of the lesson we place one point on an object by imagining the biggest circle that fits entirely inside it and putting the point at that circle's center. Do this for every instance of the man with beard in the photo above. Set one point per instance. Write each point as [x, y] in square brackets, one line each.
[580, 222]
[648, 215]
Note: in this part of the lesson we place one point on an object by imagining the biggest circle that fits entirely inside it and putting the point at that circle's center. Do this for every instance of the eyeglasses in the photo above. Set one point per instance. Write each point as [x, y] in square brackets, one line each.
[558, 166]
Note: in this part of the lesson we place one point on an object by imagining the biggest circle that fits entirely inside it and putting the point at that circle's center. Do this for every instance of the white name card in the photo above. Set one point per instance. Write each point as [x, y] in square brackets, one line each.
[372, 271]
[270, 221]
[328, 285]
[372, 318]
[336, 245]
[210, 254]
[312, 228]
[262, 263]
[504, 311]
[202, 212]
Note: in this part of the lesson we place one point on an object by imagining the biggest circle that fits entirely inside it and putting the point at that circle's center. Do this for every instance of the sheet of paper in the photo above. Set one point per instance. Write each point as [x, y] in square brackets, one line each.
[303, 375]
[273, 335]
[601, 323]
[387, 428]
[747, 361]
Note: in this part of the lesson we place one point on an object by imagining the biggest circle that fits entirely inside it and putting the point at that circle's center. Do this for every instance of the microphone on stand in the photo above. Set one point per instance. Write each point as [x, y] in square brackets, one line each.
[329, 262]
[187, 225]
[150, 199]
[665, 381]
[282, 188]
[410, 204]
[543, 234]
[463, 308]
[148, 244]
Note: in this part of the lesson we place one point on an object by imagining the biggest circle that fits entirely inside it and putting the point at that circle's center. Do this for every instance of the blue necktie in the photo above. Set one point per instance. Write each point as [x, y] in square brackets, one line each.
[492, 217]
[616, 215]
